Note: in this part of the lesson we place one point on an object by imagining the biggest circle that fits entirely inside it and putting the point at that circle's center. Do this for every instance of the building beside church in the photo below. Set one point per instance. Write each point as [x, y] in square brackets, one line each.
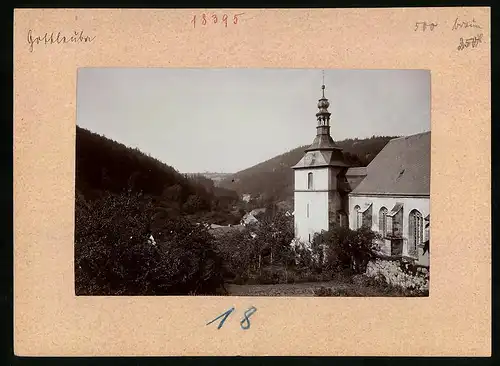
[391, 195]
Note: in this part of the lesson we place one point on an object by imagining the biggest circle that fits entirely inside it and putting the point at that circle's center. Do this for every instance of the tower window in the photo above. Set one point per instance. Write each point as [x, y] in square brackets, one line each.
[307, 210]
[310, 181]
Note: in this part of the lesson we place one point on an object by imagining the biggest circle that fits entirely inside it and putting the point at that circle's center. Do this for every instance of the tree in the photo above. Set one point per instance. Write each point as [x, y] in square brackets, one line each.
[238, 251]
[192, 205]
[190, 261]
[273, 235]
[108, 232]
[348, 249]
[114, 257]
[169, 203]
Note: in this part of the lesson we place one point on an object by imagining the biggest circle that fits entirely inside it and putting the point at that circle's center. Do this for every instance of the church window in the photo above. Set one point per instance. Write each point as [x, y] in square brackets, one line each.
[310, 181]
[415, 234]
[382, 221]
[363, 216]
[395, 221]
[307, 210]
[357, 217]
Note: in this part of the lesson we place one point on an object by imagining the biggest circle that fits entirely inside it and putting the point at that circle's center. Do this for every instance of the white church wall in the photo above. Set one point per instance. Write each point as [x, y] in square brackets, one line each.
[320, 178]
[422, 204]
[311, 214]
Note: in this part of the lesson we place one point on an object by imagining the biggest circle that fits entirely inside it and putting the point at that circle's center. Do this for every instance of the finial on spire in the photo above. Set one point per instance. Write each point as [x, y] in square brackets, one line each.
[323, 86]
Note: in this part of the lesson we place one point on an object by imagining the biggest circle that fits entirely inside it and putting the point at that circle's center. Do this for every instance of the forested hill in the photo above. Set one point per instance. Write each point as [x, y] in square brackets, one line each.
[106, 166]
[273, 179]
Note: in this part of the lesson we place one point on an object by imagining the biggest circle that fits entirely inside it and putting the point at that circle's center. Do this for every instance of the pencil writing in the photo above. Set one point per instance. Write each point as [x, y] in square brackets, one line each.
[472, 42]
[53, 37]
[465, 24]
[423, 26]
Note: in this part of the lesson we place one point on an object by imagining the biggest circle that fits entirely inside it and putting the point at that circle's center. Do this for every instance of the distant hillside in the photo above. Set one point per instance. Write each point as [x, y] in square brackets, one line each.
[106, 166]
[273, 179]
[216, 177]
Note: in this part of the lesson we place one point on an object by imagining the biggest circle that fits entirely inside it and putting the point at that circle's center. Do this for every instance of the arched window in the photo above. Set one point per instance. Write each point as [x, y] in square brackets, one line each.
[415, 235]
[310, 181]
[357, 219]
[382, 221]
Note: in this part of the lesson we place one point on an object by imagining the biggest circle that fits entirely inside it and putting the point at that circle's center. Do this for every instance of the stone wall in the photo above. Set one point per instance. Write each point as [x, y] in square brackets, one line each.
[398, 273]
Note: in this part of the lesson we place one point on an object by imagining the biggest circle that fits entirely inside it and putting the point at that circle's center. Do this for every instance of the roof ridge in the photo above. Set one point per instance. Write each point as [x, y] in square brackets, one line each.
[405, 137]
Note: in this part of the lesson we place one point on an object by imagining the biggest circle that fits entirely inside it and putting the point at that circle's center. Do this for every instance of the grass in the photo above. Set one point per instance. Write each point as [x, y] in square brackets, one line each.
[357, 286]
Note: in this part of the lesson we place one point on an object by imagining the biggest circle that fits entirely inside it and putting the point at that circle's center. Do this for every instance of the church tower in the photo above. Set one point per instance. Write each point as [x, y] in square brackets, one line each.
[319, 197]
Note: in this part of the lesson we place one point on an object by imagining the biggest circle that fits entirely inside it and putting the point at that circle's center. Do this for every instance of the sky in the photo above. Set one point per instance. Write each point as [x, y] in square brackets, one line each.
[227, 120]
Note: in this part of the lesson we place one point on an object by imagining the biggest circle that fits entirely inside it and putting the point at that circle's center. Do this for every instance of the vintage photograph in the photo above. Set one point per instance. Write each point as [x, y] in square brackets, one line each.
[252, 182]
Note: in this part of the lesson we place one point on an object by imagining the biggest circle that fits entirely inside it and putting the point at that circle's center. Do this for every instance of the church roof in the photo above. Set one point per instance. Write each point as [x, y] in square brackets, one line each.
[401, 168]
[356, 171]
[321, 158]
[323, 142]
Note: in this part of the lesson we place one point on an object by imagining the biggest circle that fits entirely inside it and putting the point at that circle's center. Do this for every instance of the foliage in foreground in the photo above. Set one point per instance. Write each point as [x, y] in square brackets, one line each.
[263, 254]
[344, 249]
[367, 286]
[114, 256]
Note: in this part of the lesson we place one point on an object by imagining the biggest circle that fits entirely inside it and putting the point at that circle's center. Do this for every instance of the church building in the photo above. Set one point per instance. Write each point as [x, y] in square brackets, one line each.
[391, 195]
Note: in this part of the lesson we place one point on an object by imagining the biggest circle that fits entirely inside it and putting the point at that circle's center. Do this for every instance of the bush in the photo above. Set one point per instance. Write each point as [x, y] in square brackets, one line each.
[338, 292]
[347, 249]
[292, 277]
[383, 288]
[237, 251]
[114, 257]
[405, 275]
[323, 291]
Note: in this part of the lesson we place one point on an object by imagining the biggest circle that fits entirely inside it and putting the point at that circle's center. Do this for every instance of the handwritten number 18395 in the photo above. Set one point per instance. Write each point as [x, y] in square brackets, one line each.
[206, 19]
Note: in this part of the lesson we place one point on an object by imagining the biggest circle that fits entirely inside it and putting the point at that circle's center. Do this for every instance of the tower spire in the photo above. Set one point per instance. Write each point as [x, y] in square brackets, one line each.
[323, 116]
[323, 140]
[323, 85]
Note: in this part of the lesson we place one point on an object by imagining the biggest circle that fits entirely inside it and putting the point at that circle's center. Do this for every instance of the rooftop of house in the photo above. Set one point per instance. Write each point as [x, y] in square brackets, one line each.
[218, 230]
[402, 168]
[257, 211]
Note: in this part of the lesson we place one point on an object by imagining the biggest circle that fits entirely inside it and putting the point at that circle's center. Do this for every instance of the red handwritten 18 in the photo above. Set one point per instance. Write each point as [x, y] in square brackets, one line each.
[205, 19]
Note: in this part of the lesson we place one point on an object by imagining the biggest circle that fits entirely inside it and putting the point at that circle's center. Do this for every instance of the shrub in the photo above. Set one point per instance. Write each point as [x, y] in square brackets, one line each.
[237, 250]
[114, 257]
[292, 277]
[347, 249]
[323, 291]
[400, 275]
[338, 292]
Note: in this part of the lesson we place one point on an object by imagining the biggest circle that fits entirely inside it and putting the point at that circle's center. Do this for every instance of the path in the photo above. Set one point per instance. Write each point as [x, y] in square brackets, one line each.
[288, 289]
